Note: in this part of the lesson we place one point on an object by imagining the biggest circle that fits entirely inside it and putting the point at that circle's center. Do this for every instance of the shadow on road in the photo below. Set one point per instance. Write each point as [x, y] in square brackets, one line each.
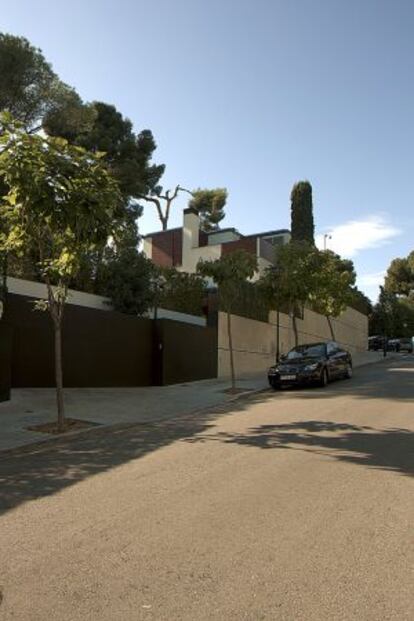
[387, 449]
[37, 472]
[32, 473]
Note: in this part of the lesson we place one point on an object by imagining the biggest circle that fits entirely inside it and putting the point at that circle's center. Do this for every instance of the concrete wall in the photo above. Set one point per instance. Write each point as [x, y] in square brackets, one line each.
[38, 291]
[165, 313]
[254, 342]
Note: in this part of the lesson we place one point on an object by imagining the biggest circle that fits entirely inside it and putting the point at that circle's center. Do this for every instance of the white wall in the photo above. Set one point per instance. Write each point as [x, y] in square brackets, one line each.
[164, 313]
[38, 291]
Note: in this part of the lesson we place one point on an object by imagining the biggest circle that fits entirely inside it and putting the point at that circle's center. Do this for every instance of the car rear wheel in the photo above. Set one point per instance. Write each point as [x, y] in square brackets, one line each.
[324, 378]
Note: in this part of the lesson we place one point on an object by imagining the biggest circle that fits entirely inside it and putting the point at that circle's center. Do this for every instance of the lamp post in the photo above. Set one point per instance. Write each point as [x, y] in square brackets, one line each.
[325, 237]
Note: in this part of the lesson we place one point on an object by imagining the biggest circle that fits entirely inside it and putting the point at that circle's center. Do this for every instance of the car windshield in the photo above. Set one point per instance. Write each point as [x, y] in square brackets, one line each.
[306, 351]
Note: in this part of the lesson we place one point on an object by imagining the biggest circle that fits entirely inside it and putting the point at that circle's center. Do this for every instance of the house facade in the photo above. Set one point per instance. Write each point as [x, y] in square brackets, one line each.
[185, 246]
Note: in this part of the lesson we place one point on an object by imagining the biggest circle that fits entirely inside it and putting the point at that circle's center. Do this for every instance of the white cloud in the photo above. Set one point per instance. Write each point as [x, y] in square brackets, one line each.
[370, 283]
[350, 238]
[371, 280]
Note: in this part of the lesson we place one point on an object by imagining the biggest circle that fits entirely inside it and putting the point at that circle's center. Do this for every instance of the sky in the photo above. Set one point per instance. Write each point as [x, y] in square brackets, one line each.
[254, 96]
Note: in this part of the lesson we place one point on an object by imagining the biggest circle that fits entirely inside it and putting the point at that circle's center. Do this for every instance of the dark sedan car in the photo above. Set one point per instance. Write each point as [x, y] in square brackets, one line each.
[316, 363]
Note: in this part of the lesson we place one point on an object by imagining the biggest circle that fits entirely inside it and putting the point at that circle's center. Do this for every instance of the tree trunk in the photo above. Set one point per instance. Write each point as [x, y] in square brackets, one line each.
[59, 375]
[330, 324]
[233, 375]
[295, 329]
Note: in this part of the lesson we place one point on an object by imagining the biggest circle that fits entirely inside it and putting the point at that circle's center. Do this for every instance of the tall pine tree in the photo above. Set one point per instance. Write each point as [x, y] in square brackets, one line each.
[302, 226]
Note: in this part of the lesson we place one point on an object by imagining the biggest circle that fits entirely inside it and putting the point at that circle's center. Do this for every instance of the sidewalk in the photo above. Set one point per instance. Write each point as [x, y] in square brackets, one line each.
[112, 406]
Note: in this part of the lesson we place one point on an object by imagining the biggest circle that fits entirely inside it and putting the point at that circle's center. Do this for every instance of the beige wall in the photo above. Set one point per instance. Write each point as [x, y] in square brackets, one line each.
[254, 342]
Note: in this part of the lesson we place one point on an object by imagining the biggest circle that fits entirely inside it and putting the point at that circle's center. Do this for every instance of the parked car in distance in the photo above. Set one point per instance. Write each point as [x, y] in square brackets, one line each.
[313, 363]
[406, 344]
[375, 343]
[393, 345]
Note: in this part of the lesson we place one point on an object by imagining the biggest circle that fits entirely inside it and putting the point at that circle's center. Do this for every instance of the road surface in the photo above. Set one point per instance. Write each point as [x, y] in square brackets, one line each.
[292, 505]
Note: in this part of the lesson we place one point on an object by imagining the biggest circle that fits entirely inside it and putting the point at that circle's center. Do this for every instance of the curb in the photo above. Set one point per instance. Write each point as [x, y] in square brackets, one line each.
[99, 428]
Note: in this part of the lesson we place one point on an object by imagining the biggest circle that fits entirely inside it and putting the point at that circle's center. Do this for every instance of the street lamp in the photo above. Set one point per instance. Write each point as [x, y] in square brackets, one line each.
[325, 237]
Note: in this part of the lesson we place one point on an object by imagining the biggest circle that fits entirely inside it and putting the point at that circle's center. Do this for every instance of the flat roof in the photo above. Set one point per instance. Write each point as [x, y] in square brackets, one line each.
[177, 228]
[226, 230]
[276, 232]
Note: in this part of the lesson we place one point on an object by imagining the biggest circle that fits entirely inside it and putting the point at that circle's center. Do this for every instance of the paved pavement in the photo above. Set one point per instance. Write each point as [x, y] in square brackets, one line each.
[112, 406]
[296, 505]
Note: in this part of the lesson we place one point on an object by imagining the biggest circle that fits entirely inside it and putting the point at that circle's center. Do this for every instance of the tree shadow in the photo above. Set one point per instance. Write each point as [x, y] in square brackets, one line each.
[386, 449]
[33, 472]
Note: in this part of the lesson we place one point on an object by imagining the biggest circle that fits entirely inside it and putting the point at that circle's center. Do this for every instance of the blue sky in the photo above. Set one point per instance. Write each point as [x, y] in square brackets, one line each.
[255, 95]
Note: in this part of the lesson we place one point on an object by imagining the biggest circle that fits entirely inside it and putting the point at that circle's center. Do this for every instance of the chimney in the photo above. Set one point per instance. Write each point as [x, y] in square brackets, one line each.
[191, 228]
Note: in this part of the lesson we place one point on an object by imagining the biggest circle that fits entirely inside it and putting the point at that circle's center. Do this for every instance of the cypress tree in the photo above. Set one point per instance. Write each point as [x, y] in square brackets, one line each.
[302, 226]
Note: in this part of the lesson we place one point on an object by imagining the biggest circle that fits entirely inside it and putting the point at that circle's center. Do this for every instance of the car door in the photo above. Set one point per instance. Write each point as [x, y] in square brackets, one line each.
[342, 358]
[335, 360]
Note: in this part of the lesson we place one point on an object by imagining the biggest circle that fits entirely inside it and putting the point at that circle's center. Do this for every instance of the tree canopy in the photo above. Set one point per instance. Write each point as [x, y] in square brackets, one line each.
[62, 201]
[210, 205]
[302, 225]
[400, 276]
[229, 273]
[29, 88]
[332, 281]
[127, 154]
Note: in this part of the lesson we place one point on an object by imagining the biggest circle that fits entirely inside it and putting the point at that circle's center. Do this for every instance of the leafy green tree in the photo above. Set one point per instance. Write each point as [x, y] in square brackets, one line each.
[182, 292]
[126, 279]
[360, 302]
[302, 225]
[400, 276]
[128, 157]
[331, 279]
[62, 201]
[290, 282]
[229, 273]
[386, 314]
[29, 88]
[210, 205]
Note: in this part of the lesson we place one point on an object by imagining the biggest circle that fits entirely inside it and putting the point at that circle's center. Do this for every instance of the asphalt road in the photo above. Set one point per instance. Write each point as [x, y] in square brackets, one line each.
[295, 505]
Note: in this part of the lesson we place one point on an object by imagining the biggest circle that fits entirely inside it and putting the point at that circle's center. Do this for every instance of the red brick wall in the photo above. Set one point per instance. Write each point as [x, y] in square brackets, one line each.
[246, 243]
[167, 248]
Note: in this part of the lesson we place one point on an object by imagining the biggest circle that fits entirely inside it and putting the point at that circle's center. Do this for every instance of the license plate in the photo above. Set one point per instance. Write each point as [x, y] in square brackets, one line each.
[287, 377]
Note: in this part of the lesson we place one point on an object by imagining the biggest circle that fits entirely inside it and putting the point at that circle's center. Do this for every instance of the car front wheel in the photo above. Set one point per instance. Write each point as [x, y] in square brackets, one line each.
[324, 378]
[349, 371]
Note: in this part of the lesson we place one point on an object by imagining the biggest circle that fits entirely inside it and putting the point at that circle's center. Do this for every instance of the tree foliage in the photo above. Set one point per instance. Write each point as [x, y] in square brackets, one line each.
[229, 273]
[29, 88]
[126, 279]
[331, 285]
[182, 292]
[400, 276]
[61, 201]
[128, 155]
[302, 225]
[289, 282]
[210, 205]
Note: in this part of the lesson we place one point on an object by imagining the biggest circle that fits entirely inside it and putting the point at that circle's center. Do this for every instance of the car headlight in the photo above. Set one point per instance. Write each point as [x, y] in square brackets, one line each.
[274, 370]
[311, 367]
